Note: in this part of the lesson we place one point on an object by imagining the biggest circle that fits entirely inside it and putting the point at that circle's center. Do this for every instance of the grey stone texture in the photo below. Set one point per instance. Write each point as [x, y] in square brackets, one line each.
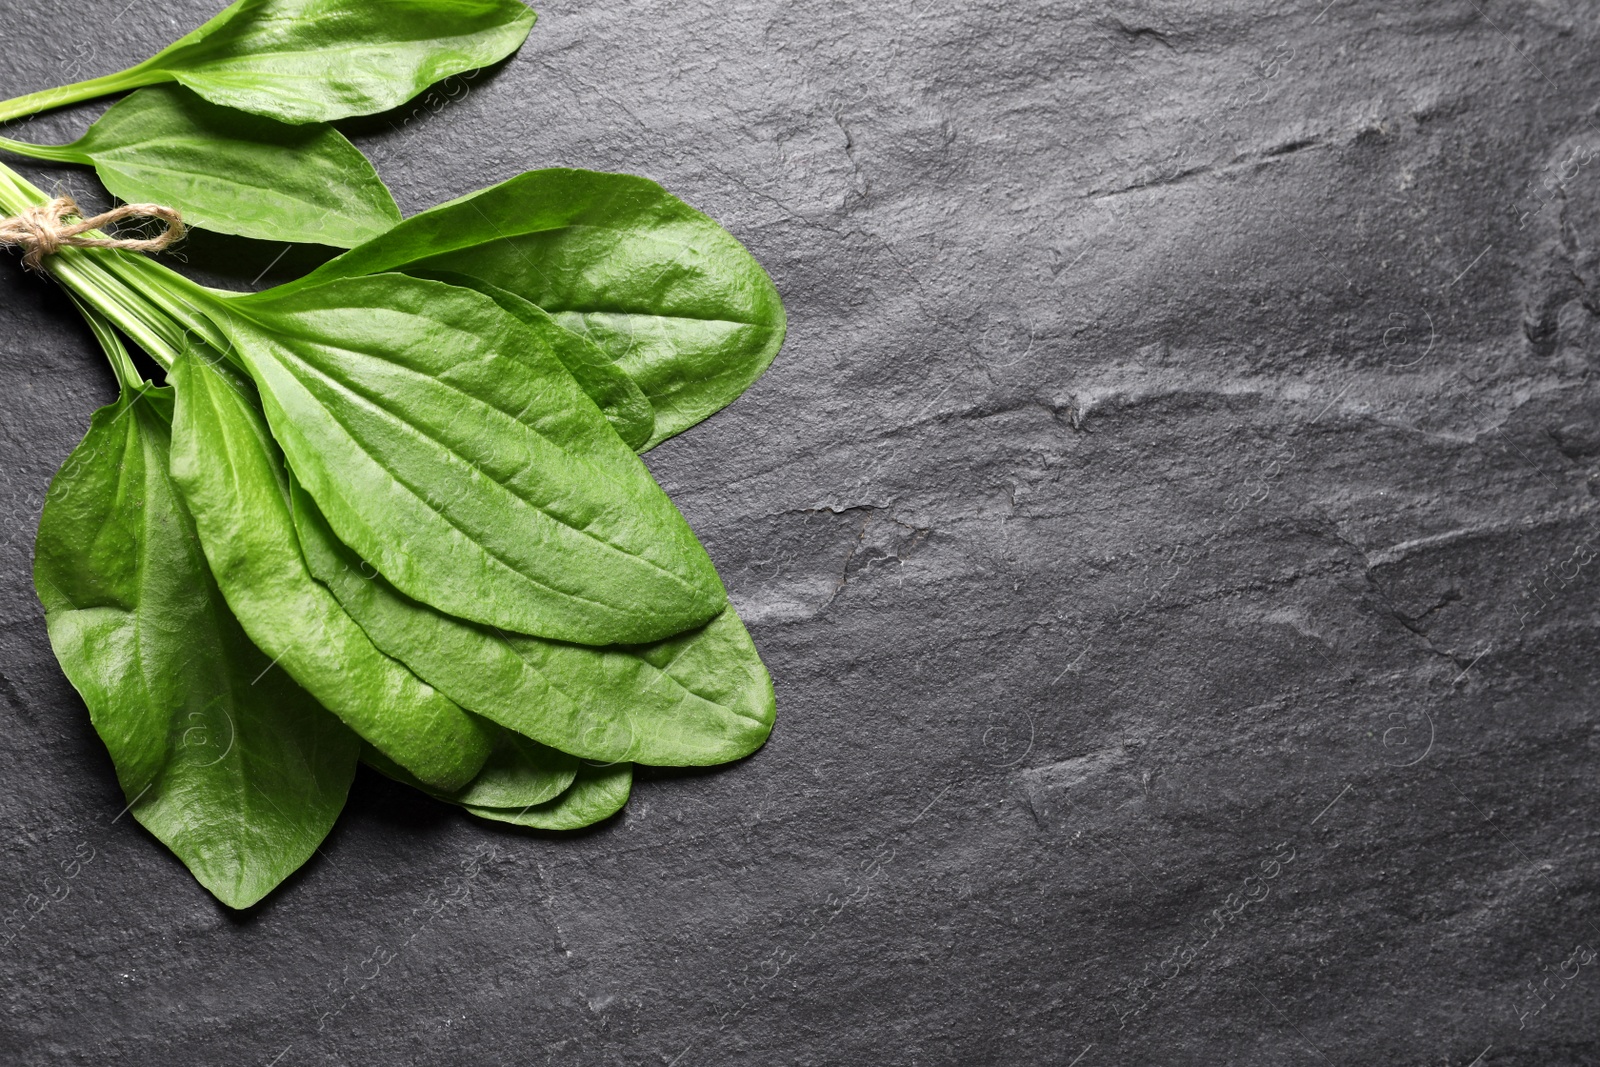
[1170, 526]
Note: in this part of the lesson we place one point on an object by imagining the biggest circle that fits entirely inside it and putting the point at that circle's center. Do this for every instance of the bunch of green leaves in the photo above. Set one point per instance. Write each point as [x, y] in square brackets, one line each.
[392, 511]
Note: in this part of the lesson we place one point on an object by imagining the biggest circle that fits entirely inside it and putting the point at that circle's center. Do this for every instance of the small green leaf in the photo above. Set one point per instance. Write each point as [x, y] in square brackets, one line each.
[671, 297]
[696, 699]
[597, 793]
[320, 60]
[233, 767]
[520, 773]
[446, 444]
[232, 172]
[233, 480]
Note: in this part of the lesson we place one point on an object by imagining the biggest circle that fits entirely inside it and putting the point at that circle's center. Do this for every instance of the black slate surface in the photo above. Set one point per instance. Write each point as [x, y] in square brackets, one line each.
[1170, 527]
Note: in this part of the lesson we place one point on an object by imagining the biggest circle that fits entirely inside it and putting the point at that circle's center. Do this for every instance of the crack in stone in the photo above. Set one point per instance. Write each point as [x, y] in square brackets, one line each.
[1200, 170]
[1155, 183]
[1136, 33]
[869, 512]
[1068, 414]
[13, 697]
[1391, 608]
[863, 185]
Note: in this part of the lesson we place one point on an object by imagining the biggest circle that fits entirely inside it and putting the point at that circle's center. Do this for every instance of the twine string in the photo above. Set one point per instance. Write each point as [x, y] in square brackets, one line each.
[43, 229]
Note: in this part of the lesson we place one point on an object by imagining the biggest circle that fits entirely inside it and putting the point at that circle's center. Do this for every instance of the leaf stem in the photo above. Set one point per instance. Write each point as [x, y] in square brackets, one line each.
[128, 376]
[77, 92]
[53, 153]
[137, 317]
[178, 298]
[127, 305]
[16, 192]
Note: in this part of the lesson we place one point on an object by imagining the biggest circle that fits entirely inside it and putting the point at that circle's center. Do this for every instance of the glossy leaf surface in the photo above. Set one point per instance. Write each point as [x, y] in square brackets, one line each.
[232, 766]
[232, 478]
[617, 396]
[320, 60]
[597, 793]
[695, 699]
[674, 300]
[447, 445]
[232, 172]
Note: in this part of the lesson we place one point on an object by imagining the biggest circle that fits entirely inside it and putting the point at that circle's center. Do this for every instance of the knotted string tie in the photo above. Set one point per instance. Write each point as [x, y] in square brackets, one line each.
[43, 230]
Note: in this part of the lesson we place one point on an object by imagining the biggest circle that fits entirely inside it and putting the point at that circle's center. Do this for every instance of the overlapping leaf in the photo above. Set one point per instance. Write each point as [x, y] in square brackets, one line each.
[319, 60]
[514, 787]
[405, 404]
[233, 766]
[520, 773]
[232, 479]
[695, 699]
[596, 793]
[674, 300]
[232, 172]
[618, 396]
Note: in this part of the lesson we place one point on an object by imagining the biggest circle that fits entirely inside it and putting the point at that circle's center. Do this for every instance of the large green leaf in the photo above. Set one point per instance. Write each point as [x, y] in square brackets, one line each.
[319, 60]
[672, 297]
[597, 793]
[446, 444]
[232, 766]
[696, 699]
[232, 172]
[233, 481]
[519, 774]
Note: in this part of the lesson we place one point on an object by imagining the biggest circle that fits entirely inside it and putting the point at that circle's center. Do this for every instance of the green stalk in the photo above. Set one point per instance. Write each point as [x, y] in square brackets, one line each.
[128, 376]
[17, 193]
[180, 299]
[78, 92]
[54, 153]
[130, 307]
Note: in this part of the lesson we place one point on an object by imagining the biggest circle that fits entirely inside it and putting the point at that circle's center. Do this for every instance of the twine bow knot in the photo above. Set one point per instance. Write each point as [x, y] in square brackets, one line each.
[43, 230]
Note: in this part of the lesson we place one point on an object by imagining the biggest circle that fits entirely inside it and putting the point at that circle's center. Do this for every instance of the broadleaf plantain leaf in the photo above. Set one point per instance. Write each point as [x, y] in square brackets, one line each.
[694, 699]
[320, 60]
[232, 172]
[444, 441]
[233, 481]
[673, 299]
[232, 766]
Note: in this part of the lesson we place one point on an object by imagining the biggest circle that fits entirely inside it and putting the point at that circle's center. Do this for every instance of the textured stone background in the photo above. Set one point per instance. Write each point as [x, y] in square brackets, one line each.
[1170, 527]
